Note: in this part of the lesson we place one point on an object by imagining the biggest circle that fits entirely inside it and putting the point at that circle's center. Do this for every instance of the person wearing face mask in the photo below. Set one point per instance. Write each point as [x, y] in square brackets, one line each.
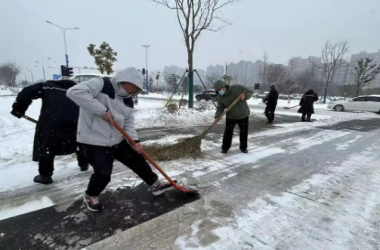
[101, 103]
[239, 113]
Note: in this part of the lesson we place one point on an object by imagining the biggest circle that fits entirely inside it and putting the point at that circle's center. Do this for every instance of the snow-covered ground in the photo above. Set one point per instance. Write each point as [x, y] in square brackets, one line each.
[323, 209]
[281, 103]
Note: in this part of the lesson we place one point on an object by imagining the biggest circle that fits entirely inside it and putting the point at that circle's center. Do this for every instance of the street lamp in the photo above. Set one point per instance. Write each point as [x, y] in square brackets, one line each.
[43, 68]
[64, 39]
[146, 68]
[31, 74]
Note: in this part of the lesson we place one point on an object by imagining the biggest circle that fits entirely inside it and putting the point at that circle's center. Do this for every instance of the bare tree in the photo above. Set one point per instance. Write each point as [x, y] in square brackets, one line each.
[365, 73]
[212, 78]
[276, 75]
[332, 58]
[293, 66]
[264, 71]
[8, 73]
[195, 16]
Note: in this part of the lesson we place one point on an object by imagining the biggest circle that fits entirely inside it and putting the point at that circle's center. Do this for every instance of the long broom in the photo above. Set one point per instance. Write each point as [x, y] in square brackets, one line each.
[190, 147]
[133, 143]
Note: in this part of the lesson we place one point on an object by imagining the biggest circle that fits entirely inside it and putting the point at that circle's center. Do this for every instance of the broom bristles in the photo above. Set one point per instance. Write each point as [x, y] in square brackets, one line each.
[184, 148]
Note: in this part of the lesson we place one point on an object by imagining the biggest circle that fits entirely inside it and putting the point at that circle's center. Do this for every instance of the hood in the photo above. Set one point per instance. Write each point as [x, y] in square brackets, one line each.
[131, 75]
[219, 84]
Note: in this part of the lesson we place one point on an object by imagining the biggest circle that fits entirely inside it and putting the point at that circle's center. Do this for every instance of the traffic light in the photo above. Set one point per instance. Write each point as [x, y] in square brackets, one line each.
[143, 71]
[257, 86]
[66, 71]
[157, 76]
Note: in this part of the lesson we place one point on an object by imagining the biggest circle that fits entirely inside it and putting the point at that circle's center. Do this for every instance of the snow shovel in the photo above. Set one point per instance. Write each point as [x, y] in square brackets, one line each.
[133, 143]
[287, 108]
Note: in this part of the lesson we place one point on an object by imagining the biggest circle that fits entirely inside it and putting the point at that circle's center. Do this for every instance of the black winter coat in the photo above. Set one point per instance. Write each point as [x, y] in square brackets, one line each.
[271, 98]
[57, 125]
[307, 102]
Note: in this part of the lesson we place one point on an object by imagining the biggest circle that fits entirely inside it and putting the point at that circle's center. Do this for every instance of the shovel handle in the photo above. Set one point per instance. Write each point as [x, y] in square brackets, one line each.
[133, 143]
[29, 119]
[223, 114]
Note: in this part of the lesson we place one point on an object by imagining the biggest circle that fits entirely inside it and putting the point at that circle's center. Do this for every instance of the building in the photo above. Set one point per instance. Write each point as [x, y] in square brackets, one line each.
[350, 78]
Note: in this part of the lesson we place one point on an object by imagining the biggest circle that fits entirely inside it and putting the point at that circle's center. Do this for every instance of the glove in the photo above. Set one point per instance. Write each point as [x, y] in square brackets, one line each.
[17, 113]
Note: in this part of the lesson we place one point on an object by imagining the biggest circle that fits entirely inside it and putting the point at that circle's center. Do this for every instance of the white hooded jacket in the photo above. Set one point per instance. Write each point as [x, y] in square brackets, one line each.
[93, 99]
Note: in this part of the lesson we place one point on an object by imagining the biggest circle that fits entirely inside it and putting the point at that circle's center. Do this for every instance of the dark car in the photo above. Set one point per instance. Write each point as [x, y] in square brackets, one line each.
[207, 95]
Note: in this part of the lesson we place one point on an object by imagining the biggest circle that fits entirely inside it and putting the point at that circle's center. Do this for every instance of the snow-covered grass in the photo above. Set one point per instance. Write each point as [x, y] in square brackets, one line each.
[252, 101]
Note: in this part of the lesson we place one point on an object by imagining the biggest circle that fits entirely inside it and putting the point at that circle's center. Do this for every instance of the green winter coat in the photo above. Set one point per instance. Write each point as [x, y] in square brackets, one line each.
[241, 109]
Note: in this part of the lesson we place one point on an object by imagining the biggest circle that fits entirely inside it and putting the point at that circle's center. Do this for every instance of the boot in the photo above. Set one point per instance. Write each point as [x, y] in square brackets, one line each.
[42, 179]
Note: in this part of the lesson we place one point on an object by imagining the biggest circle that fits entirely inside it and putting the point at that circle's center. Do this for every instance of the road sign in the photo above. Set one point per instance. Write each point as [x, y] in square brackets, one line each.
[56, 76]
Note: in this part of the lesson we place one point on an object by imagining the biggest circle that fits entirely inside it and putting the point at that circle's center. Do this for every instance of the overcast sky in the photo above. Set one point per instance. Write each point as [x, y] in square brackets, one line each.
[282, 28]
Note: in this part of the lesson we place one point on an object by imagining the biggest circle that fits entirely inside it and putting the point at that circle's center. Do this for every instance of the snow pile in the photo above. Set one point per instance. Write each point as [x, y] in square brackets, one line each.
[159, 117]
[5, 91]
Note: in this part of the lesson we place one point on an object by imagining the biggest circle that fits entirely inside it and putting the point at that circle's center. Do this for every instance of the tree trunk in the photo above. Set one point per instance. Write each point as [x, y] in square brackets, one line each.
[191, 79]
[358, 91]
[325, 94]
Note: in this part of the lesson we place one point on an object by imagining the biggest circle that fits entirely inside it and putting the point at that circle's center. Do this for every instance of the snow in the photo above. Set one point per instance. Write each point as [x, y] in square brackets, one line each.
[344, 146]
[284, 103]
[252, 101]
[5, 92]
[319, 213]
[27, 207]
[269, 222]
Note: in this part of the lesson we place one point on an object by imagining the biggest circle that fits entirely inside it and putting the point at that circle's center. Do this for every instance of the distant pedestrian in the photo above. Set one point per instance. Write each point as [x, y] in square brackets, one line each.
[271, 101]
[307, 105]
[239, 114]
[56, 127]
[101, 104]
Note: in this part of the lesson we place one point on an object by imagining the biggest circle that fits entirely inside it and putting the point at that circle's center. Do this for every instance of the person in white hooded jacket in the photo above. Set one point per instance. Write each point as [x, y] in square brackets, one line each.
[101, 103]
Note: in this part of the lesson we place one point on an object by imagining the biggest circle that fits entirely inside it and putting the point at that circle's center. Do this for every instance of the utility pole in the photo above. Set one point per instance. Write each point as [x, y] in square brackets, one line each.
[64, 39]
[146, 68]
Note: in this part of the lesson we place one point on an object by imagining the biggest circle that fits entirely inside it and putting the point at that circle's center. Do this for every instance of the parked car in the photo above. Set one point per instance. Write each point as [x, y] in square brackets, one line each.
[86, 76]
[370, 103]
[207, 95]
[78, 78]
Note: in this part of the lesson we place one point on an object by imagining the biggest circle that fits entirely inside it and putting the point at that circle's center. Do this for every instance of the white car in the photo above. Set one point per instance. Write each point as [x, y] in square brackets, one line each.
[78, 78]
[369, 103]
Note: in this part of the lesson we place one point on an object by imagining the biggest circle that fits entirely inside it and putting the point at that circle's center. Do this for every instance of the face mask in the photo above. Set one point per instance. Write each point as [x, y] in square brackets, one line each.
[222, 92]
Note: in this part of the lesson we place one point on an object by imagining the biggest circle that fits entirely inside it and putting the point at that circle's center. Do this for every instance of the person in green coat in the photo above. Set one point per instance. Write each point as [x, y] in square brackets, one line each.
[239, 113]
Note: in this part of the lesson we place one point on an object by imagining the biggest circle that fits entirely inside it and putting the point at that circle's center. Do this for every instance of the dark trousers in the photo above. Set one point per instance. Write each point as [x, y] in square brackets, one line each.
[46, 161]
[306, 114]
[102, 158]
[229, 130]
[269, 112]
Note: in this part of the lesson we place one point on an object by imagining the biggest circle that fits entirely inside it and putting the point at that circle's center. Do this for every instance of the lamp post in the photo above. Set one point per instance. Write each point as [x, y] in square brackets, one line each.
[146, 68]
[64, 39]
[43, 68]
[31, 74]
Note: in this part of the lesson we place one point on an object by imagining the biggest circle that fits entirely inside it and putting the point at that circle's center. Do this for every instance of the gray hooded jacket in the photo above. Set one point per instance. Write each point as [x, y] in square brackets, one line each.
[93, 98]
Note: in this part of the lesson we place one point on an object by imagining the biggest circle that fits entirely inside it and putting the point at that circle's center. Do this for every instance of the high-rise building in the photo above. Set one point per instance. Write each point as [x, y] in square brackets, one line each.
[350, 78]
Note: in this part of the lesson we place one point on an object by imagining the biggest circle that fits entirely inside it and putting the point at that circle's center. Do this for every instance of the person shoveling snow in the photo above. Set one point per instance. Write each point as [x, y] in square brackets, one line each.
[237, 115]
[102, 110]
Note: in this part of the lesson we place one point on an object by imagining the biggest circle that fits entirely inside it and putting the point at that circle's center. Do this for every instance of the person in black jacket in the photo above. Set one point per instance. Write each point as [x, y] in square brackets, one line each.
[271, 101]
[56, 127]
[307, 105]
